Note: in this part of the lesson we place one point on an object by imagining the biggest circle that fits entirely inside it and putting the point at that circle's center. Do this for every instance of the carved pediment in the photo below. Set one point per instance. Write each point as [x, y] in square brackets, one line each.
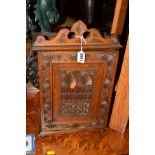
[72, 37]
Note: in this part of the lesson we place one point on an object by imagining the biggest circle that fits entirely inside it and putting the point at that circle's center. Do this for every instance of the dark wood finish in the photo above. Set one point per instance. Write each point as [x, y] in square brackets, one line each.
[83, 143]
[76, 96]
[120, 113]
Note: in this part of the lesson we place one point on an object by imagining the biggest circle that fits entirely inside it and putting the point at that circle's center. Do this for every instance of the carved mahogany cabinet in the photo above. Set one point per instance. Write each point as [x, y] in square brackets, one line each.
[75, 96]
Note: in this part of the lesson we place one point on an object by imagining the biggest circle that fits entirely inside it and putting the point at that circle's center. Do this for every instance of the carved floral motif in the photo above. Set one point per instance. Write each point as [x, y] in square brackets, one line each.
[77, 87]
[78, 29]
[68, 100]
[74, 108]
[107, 84]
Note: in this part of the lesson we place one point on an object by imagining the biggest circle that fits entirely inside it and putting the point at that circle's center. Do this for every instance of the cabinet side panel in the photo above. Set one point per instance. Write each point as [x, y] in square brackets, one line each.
[41, 88]
[111, 74]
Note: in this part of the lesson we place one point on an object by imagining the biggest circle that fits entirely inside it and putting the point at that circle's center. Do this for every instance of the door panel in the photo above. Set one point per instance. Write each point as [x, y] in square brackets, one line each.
[75, 91]
[73, 95]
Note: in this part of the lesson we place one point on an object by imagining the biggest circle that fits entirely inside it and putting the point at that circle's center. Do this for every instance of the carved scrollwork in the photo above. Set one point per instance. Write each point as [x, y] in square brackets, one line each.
[96, 39]
[61, 39]
[74, 125]
[46, 90]
[107, 82]
[79, 28]
[69, 108]
[51, 126]
[74, 95]
[73, 58]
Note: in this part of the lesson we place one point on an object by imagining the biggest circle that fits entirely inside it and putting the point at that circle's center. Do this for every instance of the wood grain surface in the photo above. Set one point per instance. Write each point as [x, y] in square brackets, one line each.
[79, 143]
[119, 17]
[120, 113]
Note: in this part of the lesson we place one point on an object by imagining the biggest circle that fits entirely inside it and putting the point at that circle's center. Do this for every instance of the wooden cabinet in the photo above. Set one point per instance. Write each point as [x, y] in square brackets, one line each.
[75, 96]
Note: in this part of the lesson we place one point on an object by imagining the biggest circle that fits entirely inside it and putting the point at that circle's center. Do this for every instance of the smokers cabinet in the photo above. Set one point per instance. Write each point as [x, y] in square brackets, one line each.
[75, 96]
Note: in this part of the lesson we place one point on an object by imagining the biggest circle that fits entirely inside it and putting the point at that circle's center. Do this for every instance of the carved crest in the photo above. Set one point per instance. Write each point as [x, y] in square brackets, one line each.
[72, 37]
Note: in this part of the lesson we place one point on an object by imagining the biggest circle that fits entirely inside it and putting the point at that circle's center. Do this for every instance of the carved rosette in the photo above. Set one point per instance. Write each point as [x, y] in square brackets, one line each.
[107, 82]
[46, 91]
